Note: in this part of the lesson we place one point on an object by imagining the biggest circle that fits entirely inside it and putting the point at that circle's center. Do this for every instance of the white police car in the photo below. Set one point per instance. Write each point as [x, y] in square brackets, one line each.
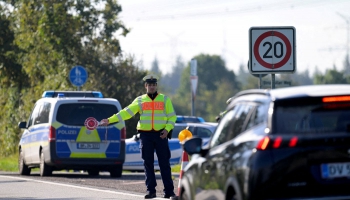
[56, 137]
[134, 162]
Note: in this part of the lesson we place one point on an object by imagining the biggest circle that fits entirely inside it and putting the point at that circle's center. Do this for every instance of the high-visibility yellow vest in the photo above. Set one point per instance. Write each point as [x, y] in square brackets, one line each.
[155, 114]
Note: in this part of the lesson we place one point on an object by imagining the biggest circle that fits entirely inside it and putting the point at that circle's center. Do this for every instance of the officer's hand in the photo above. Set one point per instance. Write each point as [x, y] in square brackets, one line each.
[164, 134]
[104, 122]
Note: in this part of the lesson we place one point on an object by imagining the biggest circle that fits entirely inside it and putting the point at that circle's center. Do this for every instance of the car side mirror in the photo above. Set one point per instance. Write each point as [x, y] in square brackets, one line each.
[22, 125]
[193, 146]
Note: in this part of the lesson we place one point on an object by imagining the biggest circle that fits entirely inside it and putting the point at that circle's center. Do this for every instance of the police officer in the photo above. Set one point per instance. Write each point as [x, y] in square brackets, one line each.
[157, 119]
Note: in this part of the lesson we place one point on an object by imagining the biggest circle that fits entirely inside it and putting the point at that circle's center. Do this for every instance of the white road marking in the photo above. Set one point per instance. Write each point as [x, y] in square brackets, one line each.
[74, 186]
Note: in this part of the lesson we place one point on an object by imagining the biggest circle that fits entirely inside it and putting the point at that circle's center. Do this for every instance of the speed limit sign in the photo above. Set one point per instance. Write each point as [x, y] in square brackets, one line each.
[272, 50]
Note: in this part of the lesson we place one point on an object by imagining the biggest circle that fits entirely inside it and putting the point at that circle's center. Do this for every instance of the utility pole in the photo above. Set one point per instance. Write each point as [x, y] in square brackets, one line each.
[347, 64]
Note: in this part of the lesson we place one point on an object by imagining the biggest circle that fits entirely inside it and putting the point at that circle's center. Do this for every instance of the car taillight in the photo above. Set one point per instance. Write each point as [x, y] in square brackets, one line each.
[293, 141]
[277, 142]
[263, 143]
[123, 134]
[335, 99]
[52, 134]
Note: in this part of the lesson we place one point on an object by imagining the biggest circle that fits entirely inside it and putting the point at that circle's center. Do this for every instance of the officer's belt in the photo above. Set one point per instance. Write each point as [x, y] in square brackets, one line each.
[153, 131]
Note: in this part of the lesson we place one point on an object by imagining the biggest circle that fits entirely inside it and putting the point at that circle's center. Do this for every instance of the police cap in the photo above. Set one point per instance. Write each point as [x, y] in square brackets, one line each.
[151, 78]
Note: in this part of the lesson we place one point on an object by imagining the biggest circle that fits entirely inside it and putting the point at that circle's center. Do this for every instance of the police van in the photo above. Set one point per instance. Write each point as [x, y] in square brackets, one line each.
[57, 135]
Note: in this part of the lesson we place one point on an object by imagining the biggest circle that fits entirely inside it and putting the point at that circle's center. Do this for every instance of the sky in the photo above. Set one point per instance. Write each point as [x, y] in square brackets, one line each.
[165, 29]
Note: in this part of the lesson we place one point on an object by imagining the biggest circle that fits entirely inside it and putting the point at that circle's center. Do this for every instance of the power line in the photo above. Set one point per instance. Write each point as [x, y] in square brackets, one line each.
[202, 9]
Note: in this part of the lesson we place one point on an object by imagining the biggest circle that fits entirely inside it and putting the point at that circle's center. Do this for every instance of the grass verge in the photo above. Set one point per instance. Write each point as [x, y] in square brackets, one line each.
[9, 163]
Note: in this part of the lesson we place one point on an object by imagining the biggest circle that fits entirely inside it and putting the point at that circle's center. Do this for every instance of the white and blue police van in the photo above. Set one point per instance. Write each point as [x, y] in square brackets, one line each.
[134, 162]
[56, 135]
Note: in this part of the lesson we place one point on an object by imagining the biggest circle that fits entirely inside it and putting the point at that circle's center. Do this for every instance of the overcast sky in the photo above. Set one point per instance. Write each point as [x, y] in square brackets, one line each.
[167, 28]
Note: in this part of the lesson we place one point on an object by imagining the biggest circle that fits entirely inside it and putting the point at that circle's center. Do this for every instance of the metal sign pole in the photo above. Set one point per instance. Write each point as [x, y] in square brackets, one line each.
[194, 81]
[272, 81]
[192, 109]
[260, 84]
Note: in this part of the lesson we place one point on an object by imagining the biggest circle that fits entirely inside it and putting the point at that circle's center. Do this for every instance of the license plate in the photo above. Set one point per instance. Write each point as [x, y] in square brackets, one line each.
[88, 146]
[335, 170]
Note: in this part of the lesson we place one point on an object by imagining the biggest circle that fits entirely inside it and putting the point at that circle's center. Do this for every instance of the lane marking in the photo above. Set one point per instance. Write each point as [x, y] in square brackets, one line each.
[74, 186]
[134, 183]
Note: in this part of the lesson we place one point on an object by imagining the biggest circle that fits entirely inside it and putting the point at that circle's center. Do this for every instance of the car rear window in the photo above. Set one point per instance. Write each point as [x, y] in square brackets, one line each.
[311, 115]
[77, 113]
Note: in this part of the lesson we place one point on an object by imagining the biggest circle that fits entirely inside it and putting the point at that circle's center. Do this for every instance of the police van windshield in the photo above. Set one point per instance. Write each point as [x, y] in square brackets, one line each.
[75, 114]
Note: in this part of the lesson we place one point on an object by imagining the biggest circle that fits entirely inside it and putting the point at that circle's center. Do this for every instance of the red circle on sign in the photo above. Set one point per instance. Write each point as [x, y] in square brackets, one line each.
[91, 123]
[269, 65]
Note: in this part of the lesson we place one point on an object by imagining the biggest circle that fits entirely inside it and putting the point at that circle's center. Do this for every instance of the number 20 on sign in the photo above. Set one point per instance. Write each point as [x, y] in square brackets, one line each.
[272, 50]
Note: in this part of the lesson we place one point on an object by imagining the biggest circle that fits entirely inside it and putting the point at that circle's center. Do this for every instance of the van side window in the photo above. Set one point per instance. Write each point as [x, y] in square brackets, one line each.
[43, 115]
[34, 115]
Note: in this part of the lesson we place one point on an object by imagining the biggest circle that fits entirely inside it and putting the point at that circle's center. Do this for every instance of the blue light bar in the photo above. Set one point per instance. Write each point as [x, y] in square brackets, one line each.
[71, 94]
[97, 94]
[48, 94]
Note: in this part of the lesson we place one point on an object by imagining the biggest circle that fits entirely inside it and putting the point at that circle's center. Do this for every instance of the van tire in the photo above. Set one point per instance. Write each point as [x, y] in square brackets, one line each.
[116, 172]
[22, 167]
[45, 170]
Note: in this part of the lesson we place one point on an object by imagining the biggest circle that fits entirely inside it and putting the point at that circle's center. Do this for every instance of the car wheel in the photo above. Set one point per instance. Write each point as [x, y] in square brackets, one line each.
[45, 170]
[231, 195]
[93, 172]
[116, 172]
[22, 167]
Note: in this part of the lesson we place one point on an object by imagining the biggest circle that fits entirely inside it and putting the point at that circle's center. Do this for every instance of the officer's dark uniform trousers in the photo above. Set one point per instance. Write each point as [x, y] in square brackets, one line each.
[150, 141]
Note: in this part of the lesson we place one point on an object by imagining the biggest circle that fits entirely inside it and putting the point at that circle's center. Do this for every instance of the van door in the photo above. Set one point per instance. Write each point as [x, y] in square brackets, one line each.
[30, 135]
[74, 140]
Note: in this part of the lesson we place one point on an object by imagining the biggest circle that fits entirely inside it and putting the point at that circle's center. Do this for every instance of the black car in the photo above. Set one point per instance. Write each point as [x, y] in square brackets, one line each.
[289, 143]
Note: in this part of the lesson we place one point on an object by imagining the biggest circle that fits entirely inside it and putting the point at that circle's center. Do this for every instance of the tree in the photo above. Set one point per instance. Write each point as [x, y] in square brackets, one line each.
[44, 40]
[331, 76]
[212, 73]
[155, 67]
[243, 74]
[170, 82]
[12, 79]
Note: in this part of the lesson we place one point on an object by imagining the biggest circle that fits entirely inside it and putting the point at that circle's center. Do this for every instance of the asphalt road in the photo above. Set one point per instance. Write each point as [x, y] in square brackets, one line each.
[76, 185]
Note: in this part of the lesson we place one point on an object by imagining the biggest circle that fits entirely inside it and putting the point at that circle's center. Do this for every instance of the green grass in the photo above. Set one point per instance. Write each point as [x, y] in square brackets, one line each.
[9, 163]
[176, 168]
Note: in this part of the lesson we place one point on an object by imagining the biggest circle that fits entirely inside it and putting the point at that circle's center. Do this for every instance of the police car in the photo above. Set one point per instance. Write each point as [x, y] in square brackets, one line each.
[56, 135]
[134, 162]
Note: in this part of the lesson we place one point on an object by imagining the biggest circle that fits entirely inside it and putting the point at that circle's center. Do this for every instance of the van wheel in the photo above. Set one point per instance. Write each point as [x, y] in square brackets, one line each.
[116, 172]
[45, 170]
[22, 167]
[93, 172]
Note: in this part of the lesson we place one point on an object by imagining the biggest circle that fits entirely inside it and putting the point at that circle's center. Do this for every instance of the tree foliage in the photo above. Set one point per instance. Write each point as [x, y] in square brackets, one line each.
[171, 82]
[331, 76]
[215, 85]
[41, 41]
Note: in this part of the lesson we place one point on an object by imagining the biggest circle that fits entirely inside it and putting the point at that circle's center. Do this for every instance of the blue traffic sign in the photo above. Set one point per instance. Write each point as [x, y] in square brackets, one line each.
[78, 76]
